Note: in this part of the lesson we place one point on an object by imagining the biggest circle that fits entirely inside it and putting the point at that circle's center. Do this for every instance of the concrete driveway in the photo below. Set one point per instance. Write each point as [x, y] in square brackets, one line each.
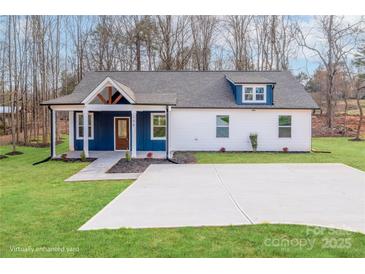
[331, 195]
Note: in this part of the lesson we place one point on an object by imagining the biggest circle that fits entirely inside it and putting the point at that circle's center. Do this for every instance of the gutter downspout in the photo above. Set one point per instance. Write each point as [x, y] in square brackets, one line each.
[167, 132]
[167, 137]
[51, 141]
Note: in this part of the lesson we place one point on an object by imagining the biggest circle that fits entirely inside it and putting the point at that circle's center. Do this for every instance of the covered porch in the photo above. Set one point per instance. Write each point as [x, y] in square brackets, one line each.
[141, 131]
[113, 118]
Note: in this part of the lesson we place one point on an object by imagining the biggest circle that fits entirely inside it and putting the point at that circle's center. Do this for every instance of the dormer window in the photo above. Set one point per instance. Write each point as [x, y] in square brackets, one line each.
[254, 94]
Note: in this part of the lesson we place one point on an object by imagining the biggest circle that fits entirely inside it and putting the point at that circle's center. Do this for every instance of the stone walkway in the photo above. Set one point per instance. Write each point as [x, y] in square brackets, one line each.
[96, 170]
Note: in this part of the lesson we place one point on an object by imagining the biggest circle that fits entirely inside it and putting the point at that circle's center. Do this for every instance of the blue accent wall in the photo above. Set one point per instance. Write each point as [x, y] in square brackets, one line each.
[103, 130]
[122, 101]
[269, 95]
[233, 87]
[237, 93]
[144, 142]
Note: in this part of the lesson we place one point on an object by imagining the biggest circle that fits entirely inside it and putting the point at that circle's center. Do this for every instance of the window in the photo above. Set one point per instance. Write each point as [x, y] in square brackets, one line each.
[248, 94]
[284, 126]
[254, 94]
[260, 94]
[158, 126]
[80, 126]
[222, 126]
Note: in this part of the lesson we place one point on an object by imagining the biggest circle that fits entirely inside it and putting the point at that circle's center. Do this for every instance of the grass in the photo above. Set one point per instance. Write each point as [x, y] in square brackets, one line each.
[342, 151]
[40, 215]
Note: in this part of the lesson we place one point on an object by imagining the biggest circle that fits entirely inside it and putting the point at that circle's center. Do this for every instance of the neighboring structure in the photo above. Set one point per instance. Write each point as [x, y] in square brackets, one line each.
[5, 118]
[186, 111]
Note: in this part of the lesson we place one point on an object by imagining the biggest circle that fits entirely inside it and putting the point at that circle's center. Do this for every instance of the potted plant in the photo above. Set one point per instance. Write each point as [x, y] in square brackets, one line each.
[285, 149]
[222, 149]
[82, 156]
[127, 156]
[253, 139]
[64, 157]
[149, 155]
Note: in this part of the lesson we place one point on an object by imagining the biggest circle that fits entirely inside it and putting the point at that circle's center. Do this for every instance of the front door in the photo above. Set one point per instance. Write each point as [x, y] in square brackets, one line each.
[121, 133]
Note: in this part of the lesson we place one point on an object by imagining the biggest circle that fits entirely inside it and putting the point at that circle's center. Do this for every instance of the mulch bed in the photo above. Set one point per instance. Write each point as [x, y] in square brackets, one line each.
[184, 158]
[140, 165]
[3, 157]
[135, 165]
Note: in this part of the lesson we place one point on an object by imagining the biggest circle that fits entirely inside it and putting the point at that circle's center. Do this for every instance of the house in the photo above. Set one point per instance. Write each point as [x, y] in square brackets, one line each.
[5, 117]
[164, 112]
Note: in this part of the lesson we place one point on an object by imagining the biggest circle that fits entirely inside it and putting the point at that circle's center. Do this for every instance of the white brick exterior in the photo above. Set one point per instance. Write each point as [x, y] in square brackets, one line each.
[195, 130]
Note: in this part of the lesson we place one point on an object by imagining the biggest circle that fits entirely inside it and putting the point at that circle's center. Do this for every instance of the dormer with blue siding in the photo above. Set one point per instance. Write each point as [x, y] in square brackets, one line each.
[251, 90]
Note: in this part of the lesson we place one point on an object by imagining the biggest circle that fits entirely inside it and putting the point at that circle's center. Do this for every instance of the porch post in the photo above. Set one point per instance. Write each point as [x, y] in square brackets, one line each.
[134, 134]
[71, 132]
[53, 133]
[85, 113]
[168, 134]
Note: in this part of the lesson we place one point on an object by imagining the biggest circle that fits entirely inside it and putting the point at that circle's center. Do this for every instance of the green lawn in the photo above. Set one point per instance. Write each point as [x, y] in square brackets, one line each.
[40, 215]
[342, 151]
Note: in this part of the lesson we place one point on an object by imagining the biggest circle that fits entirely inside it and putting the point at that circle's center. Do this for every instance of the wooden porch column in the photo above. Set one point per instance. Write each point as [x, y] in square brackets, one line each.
[71, 131]
[85, 113]
[134, 134]
[53, 133]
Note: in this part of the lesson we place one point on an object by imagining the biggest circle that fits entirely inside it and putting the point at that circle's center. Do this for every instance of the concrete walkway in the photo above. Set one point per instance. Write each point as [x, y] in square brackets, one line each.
[331, 195]
[96, 170]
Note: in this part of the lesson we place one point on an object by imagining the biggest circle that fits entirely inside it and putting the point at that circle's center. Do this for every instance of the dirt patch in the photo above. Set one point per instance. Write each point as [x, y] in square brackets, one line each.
[320, 129]
[14, 153]
[135, 165]
[3, 157]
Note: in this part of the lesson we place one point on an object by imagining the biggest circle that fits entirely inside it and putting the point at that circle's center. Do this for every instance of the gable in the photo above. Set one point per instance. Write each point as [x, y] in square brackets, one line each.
[110, 91]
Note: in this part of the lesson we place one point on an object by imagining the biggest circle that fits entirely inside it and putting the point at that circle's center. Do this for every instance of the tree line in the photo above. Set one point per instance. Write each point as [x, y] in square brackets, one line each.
[43, 57]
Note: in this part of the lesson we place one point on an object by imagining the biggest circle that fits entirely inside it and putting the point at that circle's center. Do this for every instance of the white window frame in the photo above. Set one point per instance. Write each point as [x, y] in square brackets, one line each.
[91, 117]
[152, 126]
[291, 126]
[225, 126]
[253, 94]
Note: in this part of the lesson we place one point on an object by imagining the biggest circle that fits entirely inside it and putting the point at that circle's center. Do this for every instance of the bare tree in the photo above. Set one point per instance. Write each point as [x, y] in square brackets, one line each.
[168, 41]
[79, 30]
[359, 63]
[43, 57]
[183, 44]
[338, 40]
[203, 29]
[238, 39]
[12, 100]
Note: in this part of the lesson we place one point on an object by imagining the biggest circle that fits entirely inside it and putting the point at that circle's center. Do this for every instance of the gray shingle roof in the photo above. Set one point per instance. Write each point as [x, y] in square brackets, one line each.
[248, 78]
[192, 89]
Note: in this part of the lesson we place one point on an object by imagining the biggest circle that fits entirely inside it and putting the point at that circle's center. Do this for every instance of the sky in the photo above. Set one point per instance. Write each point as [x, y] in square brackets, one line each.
[307, 61]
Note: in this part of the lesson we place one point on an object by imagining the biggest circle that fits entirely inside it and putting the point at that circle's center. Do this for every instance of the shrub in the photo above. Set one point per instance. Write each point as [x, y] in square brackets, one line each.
[253, 139]
[128, 156]
[82, 156]
[222, 149]
[149, 155]
[285, 149]
[64, 156]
